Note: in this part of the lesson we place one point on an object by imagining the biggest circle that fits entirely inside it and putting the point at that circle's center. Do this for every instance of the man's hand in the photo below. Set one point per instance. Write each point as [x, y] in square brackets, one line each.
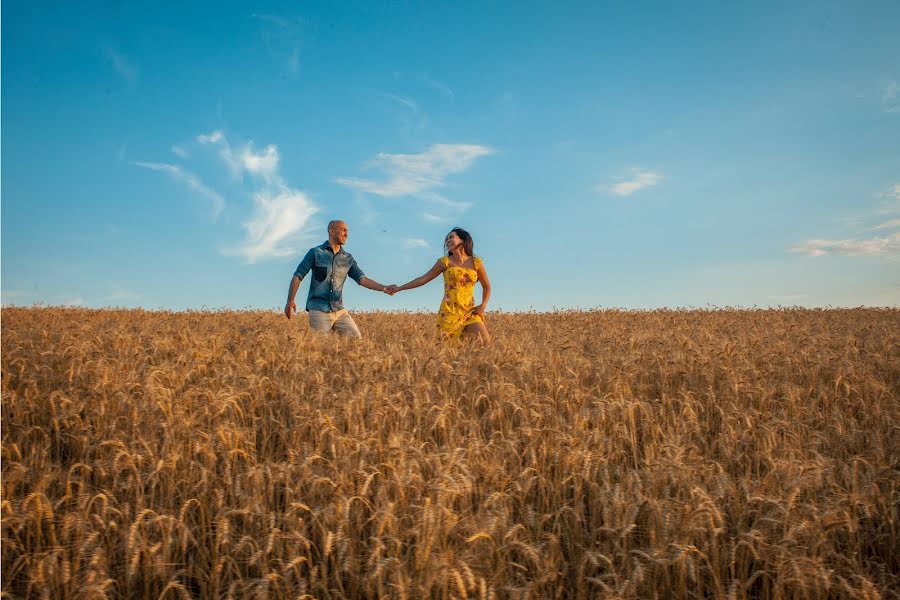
[289, 309]
[479, 310]
[390, 290]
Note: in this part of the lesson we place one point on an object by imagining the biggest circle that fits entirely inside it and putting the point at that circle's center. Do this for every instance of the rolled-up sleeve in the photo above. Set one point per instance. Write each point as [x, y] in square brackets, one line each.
[355, 272]
[306, 264]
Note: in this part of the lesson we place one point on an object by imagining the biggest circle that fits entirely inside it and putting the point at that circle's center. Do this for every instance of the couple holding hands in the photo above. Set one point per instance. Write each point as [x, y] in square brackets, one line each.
[458, 315]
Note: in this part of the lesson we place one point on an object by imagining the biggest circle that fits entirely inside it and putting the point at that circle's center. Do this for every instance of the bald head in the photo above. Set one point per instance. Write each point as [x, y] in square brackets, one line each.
[337, 232]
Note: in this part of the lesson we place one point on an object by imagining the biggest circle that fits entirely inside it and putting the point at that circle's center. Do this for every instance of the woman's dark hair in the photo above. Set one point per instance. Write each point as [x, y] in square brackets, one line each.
[468, 244]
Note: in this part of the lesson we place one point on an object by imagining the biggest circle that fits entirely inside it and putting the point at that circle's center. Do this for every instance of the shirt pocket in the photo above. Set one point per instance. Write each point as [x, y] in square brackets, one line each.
[320, 273]
[341, 267]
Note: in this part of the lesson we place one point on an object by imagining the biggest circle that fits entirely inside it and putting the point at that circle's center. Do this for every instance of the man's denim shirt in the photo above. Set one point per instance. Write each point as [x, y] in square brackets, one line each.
[330, 271]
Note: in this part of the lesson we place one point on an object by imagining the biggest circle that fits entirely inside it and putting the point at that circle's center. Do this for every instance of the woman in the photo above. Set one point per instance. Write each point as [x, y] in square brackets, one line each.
[458, 315]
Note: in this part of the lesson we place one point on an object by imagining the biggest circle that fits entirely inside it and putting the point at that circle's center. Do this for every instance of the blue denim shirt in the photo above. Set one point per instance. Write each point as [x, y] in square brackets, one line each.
[330, 270]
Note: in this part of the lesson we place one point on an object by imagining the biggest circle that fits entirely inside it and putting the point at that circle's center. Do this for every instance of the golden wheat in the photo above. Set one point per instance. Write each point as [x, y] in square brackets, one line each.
[606, 454]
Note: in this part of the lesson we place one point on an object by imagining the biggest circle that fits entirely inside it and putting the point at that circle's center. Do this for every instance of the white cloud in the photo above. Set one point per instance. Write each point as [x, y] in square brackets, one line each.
[192, 181]
[122, 65]
[281, 213]
[180, 151]
[225, 153]
[412, 243]
[210, 138]
[877, 246]
[639, 180]
[892, 224]
[413, 174]
[262, 164]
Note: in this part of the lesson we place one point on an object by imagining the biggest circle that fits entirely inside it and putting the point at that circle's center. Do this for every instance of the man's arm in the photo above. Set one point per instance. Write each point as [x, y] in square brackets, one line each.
[371, 284]
[302, 269]
[359, 277]
[291, 308]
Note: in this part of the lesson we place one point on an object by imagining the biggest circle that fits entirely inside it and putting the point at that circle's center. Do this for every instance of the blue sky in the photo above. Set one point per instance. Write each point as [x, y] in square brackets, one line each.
[647, 154]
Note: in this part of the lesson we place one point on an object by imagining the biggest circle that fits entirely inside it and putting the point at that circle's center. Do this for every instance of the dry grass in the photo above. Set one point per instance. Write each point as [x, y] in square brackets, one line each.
[665, 454]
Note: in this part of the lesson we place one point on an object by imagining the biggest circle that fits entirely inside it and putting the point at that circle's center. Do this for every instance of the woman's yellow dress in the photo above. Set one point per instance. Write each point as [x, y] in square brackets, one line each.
[458, 305]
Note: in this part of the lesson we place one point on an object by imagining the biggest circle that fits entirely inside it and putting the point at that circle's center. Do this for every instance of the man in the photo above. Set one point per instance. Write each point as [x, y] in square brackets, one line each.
[330, 265]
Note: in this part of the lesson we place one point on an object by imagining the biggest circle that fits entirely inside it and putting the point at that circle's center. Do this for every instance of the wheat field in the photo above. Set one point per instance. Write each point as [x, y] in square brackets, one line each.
[601, 454]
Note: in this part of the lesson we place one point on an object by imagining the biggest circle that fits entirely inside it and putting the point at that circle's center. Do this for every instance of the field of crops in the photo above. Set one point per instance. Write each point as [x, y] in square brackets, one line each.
[606, 454]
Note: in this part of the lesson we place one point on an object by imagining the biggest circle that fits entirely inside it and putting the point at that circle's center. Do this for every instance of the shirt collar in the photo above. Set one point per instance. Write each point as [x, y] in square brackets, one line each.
[327, 246]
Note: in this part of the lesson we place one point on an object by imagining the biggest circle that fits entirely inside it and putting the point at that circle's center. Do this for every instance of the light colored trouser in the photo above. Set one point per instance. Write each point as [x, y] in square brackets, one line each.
[340, 321]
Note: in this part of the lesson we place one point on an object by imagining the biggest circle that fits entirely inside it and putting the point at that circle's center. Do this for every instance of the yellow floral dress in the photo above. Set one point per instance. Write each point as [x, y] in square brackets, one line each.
[457, 307]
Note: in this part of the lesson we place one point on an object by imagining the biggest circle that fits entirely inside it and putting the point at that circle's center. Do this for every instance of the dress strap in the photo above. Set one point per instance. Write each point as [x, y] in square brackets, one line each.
[445, 261]
[476, 261]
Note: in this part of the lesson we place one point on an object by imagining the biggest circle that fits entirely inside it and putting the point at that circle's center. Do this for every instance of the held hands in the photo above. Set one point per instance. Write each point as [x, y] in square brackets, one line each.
[390, 290]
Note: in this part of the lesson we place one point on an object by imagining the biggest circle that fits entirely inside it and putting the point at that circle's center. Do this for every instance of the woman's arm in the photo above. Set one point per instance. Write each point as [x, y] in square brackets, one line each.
[436, 270]
[485, 288]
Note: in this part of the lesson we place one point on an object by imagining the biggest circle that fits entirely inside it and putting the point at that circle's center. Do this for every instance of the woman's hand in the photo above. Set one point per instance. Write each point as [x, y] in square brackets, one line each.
[479, 310]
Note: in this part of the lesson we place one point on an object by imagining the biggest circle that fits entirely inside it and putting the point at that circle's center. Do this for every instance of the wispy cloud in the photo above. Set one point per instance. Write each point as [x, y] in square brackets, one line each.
[889, 100]
[122, 64]
[281, 213]
[888, 246]
[890, 200]
[639, 180]
[120, 295]
[439, 86]
[263, 164]
[245, 160]
[283, 39]
[413, 174]
[892, 224]
[210, 138]
[364, 212]
[788, 297]
[412, 243]
[402, 101]
[405, 110]
[15, 297]
[192, 180]
[180, 151]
